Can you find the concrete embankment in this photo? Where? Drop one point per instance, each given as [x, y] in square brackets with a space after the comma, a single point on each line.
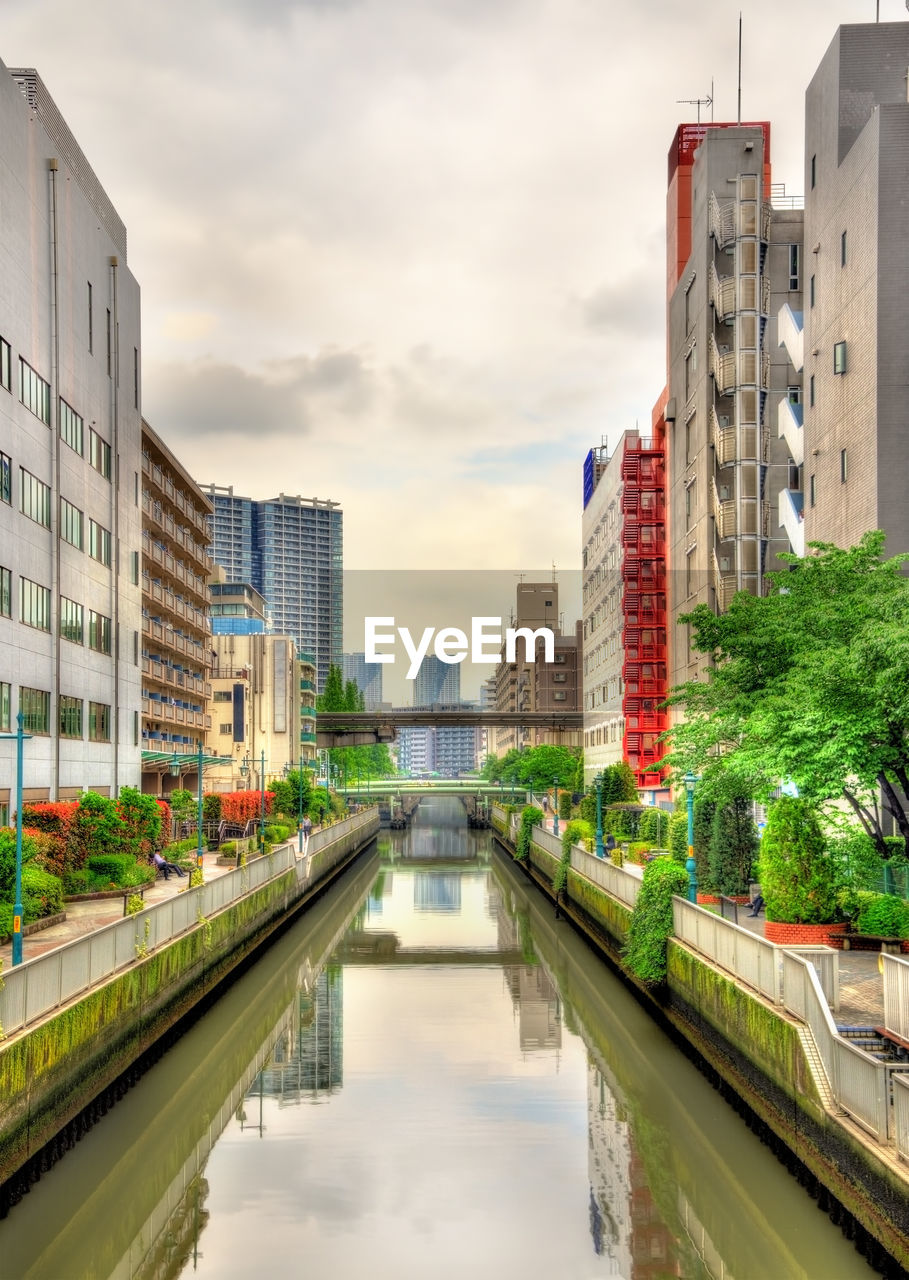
[762, 1061]
[58, 1072]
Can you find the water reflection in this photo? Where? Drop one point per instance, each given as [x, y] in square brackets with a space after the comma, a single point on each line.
[429, 1075]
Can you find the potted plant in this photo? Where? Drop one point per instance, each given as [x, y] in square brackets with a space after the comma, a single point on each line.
[799, 880]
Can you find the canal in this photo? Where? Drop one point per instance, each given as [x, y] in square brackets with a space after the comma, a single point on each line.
[428, 1075]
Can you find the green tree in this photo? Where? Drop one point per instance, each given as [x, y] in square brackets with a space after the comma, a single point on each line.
[651, 921]
[142, 823]
[808, 684]
[798, 880]
[96, 828]
[733, 844]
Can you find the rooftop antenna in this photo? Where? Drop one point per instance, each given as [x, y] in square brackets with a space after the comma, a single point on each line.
[739, 121]
[700, 102]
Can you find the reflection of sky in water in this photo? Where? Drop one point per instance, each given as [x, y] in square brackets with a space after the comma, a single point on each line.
[425, 910]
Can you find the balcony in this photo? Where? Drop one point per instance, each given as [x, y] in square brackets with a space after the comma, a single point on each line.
[721, 220]
[789, 419]
[791, 333]
[792, 518]
[722, 367]
[721, 293]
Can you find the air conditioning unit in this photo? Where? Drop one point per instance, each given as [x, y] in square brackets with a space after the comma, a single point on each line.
[723, 420]
[725, 493]
[725, 564]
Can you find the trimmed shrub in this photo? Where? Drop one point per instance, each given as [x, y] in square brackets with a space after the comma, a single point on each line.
[654, 827]
[896, 845]
[703, 830]
[678, 836]
[651, 920]
[798, 880]
[229, 846]
[42, 893]
[565, 805]
[111, 866]
[733, 845]
[883, 914]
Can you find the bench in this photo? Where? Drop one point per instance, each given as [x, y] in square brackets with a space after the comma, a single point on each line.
[871, 942]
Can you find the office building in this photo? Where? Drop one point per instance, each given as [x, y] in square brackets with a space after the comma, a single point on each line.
[847, 343]
[367, 676]
[437, 682]
[176, 627]
[291, 550]
[70, 463]
[237, 609]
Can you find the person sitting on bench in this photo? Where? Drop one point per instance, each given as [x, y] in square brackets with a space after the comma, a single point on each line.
[757, 906]
[167, 867]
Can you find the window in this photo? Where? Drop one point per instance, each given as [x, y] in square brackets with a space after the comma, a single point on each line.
[795, 252]
[99, 632]
[98, 542]
[811, 391]
[5, 705]
[6, 478]
[794, 394]
[691, 370]
[560, 697]
[34, 604]
[813, 178]
[227, 728]
[839, 357]
[34, 392]
[71, 620]
[71, 426]
[135, 728]
[99, 453]
[71, 524]
[222, 695]
[34, 498]
[843, 249]
[6, 359]
[689, 504]
[134, 567]
[70, 717]
[6, 593]
[811, 292]
[135, 377]
[689, 317]
[35, 707]
[844, 467]
[98, 722]
[812, 490]
[91, 321]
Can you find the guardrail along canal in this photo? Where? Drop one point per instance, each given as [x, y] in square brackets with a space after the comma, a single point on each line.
[427, 1075]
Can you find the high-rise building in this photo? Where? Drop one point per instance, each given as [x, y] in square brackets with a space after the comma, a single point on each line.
[528, 683]
[436, 682]
[847, 345]
[291, 550]
[70, 462]
[367, 676]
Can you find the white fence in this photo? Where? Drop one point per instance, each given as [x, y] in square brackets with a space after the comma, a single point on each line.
[896, 995]
[620, 883]
[36, 987]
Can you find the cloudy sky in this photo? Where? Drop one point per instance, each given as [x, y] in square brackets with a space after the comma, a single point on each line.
[408, 254]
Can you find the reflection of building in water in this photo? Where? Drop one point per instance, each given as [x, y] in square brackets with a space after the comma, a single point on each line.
[436, 891]
[309, 1057]
[539, 1010]
[654, 1249]
[423, 844]
[609, 1169]
[381, 889]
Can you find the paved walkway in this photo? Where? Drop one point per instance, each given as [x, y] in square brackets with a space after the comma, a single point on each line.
[85, 917]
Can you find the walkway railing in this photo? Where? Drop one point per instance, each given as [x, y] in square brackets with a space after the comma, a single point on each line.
[38, 986]
[896, 995]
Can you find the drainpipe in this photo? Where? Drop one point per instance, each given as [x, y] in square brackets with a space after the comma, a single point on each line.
[115, 516]
[56, 576]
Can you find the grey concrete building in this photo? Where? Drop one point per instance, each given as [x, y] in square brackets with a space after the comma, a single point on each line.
[856, 314]
[367, 676]
[730, 255]
[70, 462]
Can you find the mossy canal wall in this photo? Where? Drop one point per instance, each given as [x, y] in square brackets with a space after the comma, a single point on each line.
[53, 1074]
[760, 1059]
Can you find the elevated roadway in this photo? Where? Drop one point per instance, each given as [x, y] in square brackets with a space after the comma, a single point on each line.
[365, 728]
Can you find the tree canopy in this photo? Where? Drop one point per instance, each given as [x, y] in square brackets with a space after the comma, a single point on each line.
[535, 767]
[808, 685]
[351, 762]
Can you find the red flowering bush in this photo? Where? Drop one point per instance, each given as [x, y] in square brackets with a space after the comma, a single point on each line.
[240, 807]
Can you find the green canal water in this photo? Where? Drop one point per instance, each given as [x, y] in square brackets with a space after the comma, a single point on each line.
[427, 1076]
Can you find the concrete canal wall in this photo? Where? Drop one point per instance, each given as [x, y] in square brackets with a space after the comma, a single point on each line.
[764, 1061]
[140, 977]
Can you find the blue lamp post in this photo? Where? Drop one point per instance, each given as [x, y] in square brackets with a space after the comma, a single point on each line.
[690, 781]
[262, 804]
[20, 735]
[300, 807]
[599, 841]
[555, 807]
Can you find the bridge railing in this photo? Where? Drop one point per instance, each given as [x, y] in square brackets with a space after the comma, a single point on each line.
[38, 986]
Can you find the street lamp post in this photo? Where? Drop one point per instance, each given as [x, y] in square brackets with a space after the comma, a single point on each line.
[20, 735]
[599, 844]
[690, 781]
[262, 804]
[300, 807]
[555, 807]
[199, 760]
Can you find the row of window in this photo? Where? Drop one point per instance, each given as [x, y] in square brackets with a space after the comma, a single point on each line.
[35, 705]
[35, 503]
[35, 611]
